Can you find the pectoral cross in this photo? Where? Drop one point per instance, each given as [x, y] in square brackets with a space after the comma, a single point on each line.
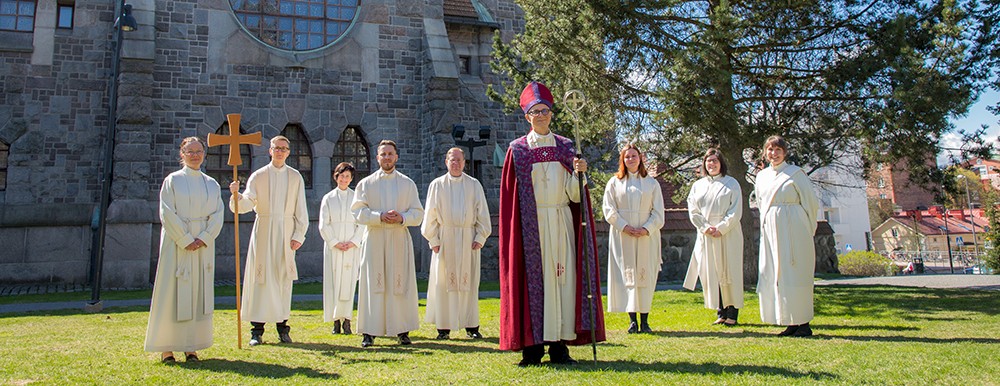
[234, 140]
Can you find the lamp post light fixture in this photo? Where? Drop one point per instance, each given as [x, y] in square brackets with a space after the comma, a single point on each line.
[458, 132]
[123, 22]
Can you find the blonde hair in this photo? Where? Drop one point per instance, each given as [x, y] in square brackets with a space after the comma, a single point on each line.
[280, 138]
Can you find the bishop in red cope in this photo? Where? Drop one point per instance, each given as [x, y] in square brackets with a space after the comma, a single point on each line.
[543, 290]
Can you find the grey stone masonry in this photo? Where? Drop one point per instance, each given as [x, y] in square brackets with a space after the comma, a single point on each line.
[393, 75]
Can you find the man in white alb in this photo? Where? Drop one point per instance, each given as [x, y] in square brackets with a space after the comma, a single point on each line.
[386, 202]
[277, 193]
[456, 225]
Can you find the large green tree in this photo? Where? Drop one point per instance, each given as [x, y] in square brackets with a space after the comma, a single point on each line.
[843, 80]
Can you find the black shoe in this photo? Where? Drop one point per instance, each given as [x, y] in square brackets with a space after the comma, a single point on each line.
[444, 335]
[284, 337]
[256, 340]
[633, 328]
[367, 340]
[168, 360]
[347, 327]
[473, 332]
[559, 354]
[525, 362]
[788, 331]
[645, 329]
[191, 357]
[336, 327]
[404, 338]
[803, 331]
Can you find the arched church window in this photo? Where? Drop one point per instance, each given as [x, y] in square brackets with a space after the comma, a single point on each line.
[352, 147]
[217, 166]
[301, 155]
[296, 25]
[4, 154]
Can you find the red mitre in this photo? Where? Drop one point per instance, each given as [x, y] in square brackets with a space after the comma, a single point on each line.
[533, 94]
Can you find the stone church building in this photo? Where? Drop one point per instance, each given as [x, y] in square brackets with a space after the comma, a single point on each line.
[334, 76]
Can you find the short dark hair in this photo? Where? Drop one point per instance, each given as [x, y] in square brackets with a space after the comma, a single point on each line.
[723, 169]
[343, 167]
[389, 142]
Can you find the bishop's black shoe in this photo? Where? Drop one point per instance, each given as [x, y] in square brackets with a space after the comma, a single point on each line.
[559, 354]
[473, 332]
[532, 355]
[367, 340]
[404, 338]
[347, 327]
[336, 327]
[443, 334]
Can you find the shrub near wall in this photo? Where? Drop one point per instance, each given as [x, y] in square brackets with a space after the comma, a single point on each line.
[863, 263]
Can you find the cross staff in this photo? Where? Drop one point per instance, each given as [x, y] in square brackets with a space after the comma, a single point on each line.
[574, 102]
[234, 140]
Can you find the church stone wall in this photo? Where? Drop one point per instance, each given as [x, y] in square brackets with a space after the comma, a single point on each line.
[186, 67]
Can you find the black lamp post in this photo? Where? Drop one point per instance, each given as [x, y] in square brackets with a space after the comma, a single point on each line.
[124, 22]
[458, 132]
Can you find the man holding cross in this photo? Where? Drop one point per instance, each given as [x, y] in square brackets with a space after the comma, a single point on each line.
[543, 286]
[277, 193]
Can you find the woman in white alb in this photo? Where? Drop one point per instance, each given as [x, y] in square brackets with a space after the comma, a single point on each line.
[715, 206]
[633, 206]
[788, 208]
[180, 312]
[341, 255]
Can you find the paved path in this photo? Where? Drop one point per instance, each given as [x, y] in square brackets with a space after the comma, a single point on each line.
[983, 282]
[223, 300]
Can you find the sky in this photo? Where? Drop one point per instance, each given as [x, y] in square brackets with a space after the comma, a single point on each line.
[978, 115]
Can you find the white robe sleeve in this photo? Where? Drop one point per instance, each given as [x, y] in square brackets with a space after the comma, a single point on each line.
[360, 209]
[172, 223]
[248, 200]
[214, 225]
[734, 212]
[431, 227]
[483, 226]
[656, 217]
[414, 214]
[611, 209]
[573, 186]
[301, 215]
[807, 196]
[694, 211]
[326, 220]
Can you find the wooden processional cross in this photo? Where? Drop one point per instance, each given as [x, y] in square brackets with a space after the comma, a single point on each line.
[234, 140]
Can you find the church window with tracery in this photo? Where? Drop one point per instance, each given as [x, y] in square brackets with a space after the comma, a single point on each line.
[297, 25]
[352, 147]
[301, 153]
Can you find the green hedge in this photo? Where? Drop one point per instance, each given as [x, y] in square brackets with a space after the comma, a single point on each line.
[864, 263]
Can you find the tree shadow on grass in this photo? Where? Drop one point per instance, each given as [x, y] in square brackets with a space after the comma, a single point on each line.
[691, 368]
[818, 335]
[902, 302]
[257, 369]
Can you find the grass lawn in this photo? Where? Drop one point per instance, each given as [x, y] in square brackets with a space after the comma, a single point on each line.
[865, 335]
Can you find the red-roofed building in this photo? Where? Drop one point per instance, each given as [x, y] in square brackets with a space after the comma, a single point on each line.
[929, 230]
